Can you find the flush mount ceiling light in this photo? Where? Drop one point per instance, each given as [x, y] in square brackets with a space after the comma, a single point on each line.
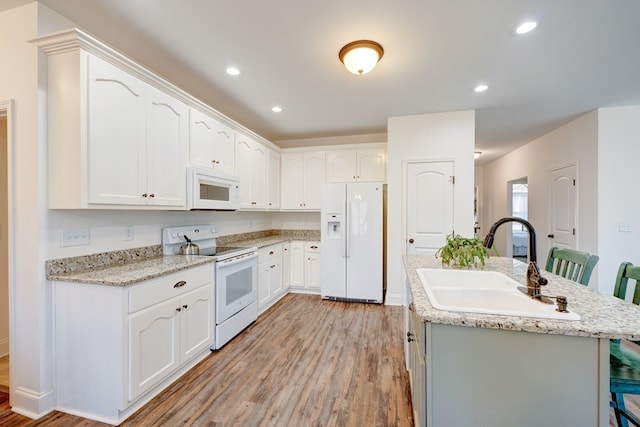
[480, 88]
[233, 71]
[361, 56]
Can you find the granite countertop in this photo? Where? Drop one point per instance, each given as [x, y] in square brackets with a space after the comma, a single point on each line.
[132, 271]
[129, 266]
[601, 316]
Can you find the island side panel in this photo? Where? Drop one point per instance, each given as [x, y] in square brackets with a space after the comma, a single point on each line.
[494, 378]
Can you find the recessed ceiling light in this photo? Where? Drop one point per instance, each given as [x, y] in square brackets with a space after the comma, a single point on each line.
[276, 109]
[480, 88]
[525, 27]
[477, 154]
[233, 71]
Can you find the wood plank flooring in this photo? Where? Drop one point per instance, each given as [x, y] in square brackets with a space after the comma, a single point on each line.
[306, 362]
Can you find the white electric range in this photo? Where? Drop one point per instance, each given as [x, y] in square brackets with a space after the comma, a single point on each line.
[236, 277]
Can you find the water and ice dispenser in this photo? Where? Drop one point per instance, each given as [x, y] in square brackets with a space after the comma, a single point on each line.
[334, 225]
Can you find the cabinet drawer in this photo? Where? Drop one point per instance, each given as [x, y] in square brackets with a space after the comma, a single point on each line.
[312, 247]
[162, 288]
[269, 252]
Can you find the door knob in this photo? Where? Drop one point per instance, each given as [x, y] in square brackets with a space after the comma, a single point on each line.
[411, 240]
[551, 236]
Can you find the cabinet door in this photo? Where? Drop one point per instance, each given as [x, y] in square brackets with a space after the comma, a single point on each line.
[273, 180]
[275, 281]
[201, 139]
[286, 266]
[312, 265]
[371, 165]
[167, 123]
[116, 134]
[291, 181]
[154, 345]
[244, 158]
[297, 264]
[341, 166]
[196, 322]
[223, 148]
[264, 276]
[314, 177]
[258, 176]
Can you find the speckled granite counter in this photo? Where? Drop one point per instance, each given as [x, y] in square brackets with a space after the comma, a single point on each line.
[133, 271]
[602, 316]
[129, 266]
[262, 239]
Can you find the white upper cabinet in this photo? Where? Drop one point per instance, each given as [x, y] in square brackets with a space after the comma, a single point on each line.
[114, 140]
[166, 149]
[136, 140]
[273, 179]
[211, 143]
[302, 176]
[116, 135]
[359, 165]
[251, 162]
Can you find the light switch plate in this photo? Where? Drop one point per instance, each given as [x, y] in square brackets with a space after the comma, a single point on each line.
[74, 237]
[625, 227]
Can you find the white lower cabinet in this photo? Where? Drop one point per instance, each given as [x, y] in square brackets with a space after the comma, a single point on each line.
[116, 347]
[305, 266]
[416, 338]
[270, 285]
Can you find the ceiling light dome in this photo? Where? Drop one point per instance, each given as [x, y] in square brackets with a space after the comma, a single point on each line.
[361, 56]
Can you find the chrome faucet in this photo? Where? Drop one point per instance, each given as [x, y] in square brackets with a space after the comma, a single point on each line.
[534, 279]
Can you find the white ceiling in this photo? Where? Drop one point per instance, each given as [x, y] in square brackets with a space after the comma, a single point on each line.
[585, 54]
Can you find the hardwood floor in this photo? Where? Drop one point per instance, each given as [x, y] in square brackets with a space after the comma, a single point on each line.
[306, 362]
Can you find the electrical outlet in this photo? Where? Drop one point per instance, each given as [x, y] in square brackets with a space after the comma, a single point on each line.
[74, 237]
[128, 232]
[625, 227]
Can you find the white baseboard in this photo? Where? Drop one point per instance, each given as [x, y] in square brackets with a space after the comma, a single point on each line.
[31, 404]
[393, 299]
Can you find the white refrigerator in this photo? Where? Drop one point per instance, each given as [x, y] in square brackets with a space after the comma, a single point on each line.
[351, 234]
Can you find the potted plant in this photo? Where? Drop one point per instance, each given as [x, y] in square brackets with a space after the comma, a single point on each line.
[462, 251]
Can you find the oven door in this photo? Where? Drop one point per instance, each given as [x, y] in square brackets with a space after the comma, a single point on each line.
[236, 285]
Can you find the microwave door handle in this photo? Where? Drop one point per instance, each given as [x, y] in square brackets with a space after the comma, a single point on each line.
[232, 261]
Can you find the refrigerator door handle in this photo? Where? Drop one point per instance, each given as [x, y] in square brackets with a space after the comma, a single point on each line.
[347, 231]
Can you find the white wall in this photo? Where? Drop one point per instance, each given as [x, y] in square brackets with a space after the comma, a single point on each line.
[618, 181]
[575, 142]
[426, 137]
[31, 380]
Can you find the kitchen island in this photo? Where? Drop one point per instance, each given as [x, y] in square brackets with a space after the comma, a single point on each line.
[494, 370]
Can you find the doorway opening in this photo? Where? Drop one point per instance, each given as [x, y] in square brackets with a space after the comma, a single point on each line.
[519, 207]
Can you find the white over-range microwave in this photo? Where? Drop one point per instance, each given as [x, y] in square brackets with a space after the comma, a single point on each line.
[211, 189]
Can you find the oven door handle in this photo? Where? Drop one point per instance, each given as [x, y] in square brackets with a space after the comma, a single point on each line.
[231, 261]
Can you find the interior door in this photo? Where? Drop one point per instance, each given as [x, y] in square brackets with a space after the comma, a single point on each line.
[429, 206]
[562, 207]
